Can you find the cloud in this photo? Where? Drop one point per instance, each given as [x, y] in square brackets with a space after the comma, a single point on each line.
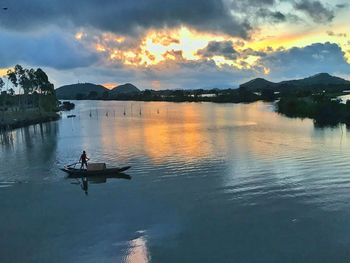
[318, 12]
[305, 61]
[125, 17]
[143, 40]
[188, 75]
[205, 73]
[219, 48]
[276, 16]
[233, 17]
[50, 49]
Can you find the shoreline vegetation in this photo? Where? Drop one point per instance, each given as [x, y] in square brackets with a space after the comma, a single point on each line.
[316, 97]
[35, 103]
[324, 110]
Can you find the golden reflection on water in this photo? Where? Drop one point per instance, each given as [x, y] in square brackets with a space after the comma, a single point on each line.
[137, 252]
[192, 131]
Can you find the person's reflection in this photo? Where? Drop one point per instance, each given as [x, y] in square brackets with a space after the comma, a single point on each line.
[84, 181]
[85, 185]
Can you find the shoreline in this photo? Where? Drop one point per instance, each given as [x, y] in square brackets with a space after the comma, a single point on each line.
[16, 120]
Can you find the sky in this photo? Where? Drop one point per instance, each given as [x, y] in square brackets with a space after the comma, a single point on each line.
[175, 44]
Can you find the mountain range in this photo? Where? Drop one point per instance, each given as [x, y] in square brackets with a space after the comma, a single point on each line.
[89, 90]
[323, 79]
[85, 89]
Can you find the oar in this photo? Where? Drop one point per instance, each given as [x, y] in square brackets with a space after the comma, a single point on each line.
[73, 164]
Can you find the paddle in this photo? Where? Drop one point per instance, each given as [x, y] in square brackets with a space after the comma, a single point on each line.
[73, 164]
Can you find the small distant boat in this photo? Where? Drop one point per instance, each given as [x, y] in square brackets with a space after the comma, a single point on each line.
[71, 116]
[94, 169]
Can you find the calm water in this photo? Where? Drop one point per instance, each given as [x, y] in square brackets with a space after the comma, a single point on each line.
[210, 183]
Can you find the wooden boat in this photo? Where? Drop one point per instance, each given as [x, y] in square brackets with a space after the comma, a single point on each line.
[94, 169]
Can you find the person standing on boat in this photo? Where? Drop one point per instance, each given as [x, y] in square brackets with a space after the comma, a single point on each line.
[83, 159]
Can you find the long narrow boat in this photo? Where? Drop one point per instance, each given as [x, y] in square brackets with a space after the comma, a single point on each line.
[86, 172]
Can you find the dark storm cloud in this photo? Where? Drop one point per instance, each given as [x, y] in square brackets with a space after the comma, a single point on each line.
[233, 17]
[125, 17]
[48, 49]
[318, 12]
[274, 16]
[312, 59]
[219, 48]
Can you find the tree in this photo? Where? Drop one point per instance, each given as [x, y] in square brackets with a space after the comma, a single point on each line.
[2, 96]
[43, 85]
[11, 91]
[105, 95]
[79, 96]
[2, 84]
[268, 95]
[35, 85]
[93, 94]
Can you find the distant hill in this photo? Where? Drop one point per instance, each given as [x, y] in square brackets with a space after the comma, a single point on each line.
[322, 79]
[124, 89]
[257, 84]
[73, 90]
[318, 79]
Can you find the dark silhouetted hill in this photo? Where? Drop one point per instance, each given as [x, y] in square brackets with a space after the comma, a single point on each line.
[81, 89]
[322, 79]
[127, 88]
[257, 84]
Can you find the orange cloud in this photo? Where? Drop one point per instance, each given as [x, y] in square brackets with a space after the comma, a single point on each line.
[162, 47]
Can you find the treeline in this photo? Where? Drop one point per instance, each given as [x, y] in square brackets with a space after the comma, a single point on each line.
[322, 108]
[35, 90]
[240, 95]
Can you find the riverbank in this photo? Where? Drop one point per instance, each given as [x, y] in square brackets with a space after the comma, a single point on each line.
[17, 119]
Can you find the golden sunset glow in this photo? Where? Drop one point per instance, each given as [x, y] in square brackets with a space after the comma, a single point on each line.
[109, 85]
[3, 71]
[161, 46]
[207, 44]
[184, 44]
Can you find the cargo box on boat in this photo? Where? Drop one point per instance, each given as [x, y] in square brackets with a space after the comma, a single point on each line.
[96, 166]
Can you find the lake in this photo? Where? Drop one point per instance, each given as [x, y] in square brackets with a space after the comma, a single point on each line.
[209, 183]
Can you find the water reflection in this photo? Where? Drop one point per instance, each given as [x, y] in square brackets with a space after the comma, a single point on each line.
[6, 138]
[137, 251]
[84, 181]
[29, 150]
[211, 182]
